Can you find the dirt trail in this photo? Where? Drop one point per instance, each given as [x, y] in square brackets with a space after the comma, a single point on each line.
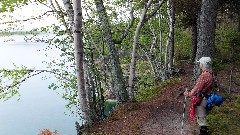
[167, 116]
[159, 116]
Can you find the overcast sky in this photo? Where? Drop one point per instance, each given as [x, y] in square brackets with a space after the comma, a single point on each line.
[29, 11]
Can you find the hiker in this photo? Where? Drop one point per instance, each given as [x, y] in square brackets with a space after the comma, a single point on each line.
[203, 87]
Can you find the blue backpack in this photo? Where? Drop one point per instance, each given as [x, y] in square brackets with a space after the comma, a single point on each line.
[214, 99]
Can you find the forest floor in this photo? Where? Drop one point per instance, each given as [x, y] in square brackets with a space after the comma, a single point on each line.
[161, 115]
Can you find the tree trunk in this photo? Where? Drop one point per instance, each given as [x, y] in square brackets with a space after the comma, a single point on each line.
[132, 71]
[70, 13]
[162, 71]
[118, 80]
[206, 35]
[134, 51]
[91, 96]
[78, 44]
[194, 42]
[239, 22]
[171, 14]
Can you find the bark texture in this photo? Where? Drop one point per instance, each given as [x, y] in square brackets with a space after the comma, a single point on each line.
[207, 28]
[239, 22]
[171, 14]
[78, 44]
[194, 42]
[70, 13]
[144, 17]
[134, 50]
[119, 83]
[206, 35]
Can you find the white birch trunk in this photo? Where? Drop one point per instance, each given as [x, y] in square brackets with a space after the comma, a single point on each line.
[160, 39]
[162, 73]
[134, 51]
[144, 17]
[171, 15]
[78, 44]
[70, 12]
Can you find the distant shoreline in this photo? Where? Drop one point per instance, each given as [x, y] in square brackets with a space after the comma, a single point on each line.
[4, 33]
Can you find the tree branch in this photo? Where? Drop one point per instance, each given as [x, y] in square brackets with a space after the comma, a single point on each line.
[28, 19]
[148, 16]
[126, 31]
[61, 14]
[28, 71]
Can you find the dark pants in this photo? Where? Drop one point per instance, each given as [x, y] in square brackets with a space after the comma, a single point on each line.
[203, 130]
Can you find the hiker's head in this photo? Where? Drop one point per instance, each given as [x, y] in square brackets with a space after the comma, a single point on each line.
[205, 62]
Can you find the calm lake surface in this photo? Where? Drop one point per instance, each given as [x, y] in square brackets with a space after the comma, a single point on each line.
[39, 107]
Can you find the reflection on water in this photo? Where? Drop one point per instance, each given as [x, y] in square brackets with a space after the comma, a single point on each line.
[39, 107]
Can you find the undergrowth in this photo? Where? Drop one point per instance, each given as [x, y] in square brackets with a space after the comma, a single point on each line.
[225, 119]
[153, 91]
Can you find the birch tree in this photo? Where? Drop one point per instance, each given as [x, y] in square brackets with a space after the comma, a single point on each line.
[144, 18]
[170, 42]
[118, 81]
[79, 57]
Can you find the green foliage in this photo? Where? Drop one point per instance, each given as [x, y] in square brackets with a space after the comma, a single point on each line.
[10, 81]
[233, 38]
[225, 119]
[226, 48]
[186, 11]
[144, 75]
[147, 93]
[144, 82]
[183, 44]
[10, 5]
[231, 6]
[218, 65]
[153, 91]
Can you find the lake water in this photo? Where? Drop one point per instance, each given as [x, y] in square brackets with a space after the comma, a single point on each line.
[39, 107]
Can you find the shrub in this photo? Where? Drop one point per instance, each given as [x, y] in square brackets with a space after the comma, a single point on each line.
[150, 92]
[225, 119]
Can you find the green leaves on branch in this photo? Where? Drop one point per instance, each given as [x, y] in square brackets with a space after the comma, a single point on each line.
[9, 5]
[10, 81]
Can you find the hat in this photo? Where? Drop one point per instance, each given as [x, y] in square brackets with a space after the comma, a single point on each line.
[205, 61]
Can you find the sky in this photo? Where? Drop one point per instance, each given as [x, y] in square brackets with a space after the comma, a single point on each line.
[29, 11]
[33, 9]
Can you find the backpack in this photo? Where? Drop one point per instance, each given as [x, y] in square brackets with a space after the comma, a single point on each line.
[214, 99]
